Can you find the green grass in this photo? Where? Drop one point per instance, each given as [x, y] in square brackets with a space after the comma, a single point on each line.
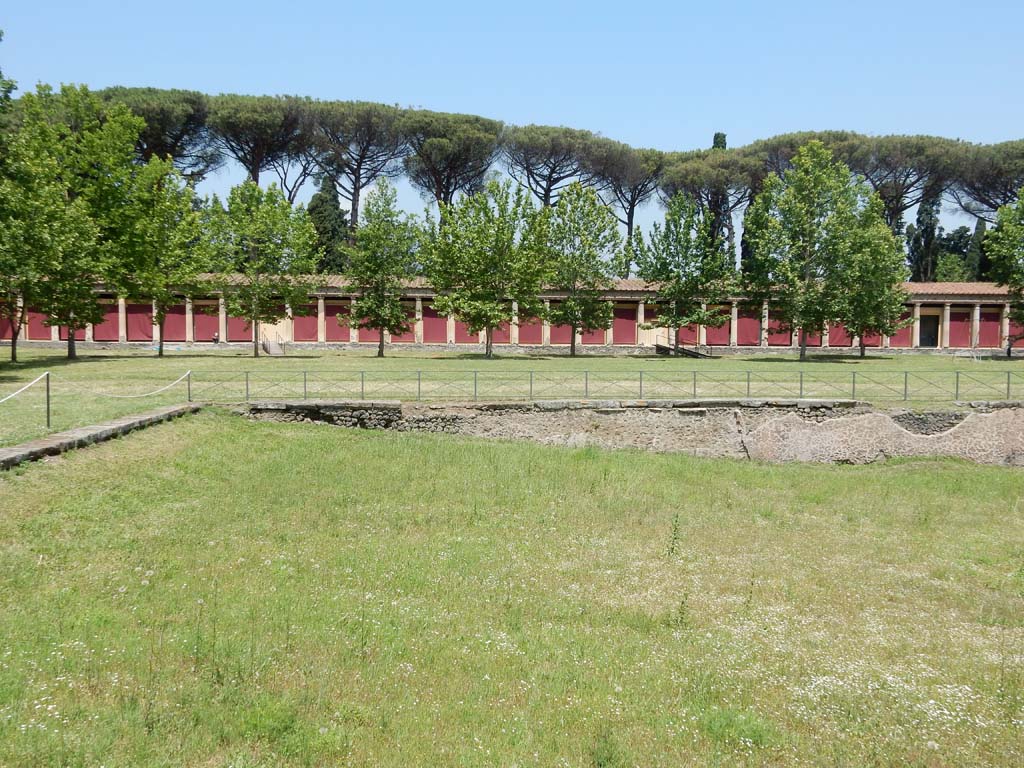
[80, 390]
[221, 592]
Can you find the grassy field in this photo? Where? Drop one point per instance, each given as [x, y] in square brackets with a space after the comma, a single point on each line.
[220, 592]
[82, 391]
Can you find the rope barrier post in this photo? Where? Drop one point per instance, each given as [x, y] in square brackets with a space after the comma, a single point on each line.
[419, 384]
[188, 385]
[1007, 385]
[474, 385]
[695, 383]
[748, 385]
[305, 385]
[956, 386]
[247, 386]
[641, 385]
[853, 386]
[801, 385]
[531, 385]
[586, 384]
[47, 399]
[362, 385]
[906, 384]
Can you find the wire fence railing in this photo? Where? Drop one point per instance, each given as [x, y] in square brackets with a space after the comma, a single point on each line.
[51, 399]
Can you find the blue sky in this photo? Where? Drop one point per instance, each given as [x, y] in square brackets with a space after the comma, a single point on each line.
[660, 74]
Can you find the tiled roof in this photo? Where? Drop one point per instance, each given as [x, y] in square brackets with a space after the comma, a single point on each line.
[955, 289]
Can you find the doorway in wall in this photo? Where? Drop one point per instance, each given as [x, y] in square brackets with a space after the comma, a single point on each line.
[929, 330]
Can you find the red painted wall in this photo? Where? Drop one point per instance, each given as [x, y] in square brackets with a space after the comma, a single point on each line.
[1016, 330]
[531, 332]
[687, 334]
[238, 329]
[79, 334]
[409, 336]
[959, 328]
[435, 326]
[719, 337]
[904, 337]
[838, 336]
[367, 335]
[37, 328]
[304, 326]
[560, 334]
[463, 336]
[776, 336]
[174, 324]
[107, 330]
[813, 339]
[593, 337]
[502, 334]
[333, 330]
[872, 340]
[205, 327]
[6, 329]
[138, 320]
[624, 325]
[748, 327]
[989, 331]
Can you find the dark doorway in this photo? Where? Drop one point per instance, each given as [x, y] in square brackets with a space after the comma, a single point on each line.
[929, 330]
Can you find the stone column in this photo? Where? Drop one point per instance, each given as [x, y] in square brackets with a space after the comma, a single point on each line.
[418, 326]
[222, 321]
[545, 327]
[764, 323]
[450, 323]
[321, 320]
[513, 327]
[734, 321]
[915, 339]
[190, 335]
[353, 333]
[824, 337]
[975, 325]
[1004, 326]
[944, 341]
[54, 333]
[289, 335]
[122, 320]
[702, 334]
[88, 332]
[642, 335]
[609, 332]
[156, 326]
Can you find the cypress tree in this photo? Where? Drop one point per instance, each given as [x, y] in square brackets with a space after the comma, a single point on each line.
[331, 225]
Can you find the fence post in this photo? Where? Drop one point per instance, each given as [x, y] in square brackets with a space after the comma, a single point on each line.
[188, 385]
[956, 387]
[47, 399]
[748, 385]
[474, 385]
[801, 385]
[305, 386]
[853, 387]
[906, 384]
[419, 383]
[695, 383]
[362, 385]
[247, 386]
[586, 384]
[1007, 385]
[531, 385]
[642, 385]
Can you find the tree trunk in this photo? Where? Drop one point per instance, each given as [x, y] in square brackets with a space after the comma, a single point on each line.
[675, 340]
[354, 211]
[254, 174]
[255, 339]
[488, 342]
[15, 332]
[863, 346]
[72, 351]
[803, 345]
[572, 341]
[160, 344]
[380, 344]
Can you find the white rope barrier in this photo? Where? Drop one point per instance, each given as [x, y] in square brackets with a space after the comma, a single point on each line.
[15, 394]
[127, 397]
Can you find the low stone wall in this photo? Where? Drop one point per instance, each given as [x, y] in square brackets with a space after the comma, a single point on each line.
[837, 431]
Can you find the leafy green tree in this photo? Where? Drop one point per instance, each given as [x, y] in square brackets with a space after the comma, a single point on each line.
[175, 127]
[977, 259]
[628, 178]
[1005, 246]
[449, 153]
[688, 264]
[384, 258]
[584, 238]
[331, 225]
[873, 267]
[359, 142]
[166, 244]
[802, 229]
[989, 177]
[94, 151]
[923, 243]
[257, 131]
[950, 268]
[263, 252]
[490, 252]
[42, 233]
[546, 159]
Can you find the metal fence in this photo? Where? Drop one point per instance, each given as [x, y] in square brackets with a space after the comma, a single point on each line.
[468, 385]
